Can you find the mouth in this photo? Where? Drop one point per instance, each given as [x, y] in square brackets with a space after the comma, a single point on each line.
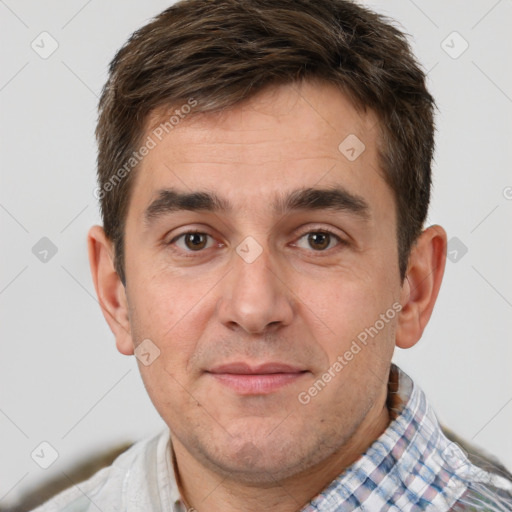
[263, 379]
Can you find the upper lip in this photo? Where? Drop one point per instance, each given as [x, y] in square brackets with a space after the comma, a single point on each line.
[241, 368]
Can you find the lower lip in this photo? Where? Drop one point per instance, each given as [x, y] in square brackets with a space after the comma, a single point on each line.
[261, 384]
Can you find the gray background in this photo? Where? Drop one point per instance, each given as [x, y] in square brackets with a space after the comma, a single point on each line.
[62, 379]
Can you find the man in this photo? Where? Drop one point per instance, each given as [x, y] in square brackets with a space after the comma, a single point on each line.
[264, 177]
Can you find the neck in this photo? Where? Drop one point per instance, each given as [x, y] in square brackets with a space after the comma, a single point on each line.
[203, 489]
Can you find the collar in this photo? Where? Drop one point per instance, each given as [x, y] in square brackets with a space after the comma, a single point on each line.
[411, 466]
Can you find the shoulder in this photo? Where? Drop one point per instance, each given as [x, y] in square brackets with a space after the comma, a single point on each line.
[106, 489]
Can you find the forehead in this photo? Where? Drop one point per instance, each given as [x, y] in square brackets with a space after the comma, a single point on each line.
[285, 137]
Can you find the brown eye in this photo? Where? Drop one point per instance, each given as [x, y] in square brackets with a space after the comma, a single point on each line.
[319, 241]
[192, 241]
[195, 241]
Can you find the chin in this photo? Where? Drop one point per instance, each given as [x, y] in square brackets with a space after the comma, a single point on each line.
[262, 460]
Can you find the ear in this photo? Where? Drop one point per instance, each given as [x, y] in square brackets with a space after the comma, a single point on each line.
[109, 288]
[421, 285]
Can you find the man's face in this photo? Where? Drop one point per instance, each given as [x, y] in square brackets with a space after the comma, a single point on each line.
[253, 310]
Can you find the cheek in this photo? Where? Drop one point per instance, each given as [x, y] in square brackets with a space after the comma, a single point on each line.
[350, 308]
[172, 312]
[165, 299]
[343, 303]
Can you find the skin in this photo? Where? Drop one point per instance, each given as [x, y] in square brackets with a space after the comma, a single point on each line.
[298, 302]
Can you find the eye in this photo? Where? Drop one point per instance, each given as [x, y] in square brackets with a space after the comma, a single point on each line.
[192, 241]
[319, 240]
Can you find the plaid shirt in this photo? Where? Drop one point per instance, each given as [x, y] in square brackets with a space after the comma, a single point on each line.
[411, 467]
[414, 467]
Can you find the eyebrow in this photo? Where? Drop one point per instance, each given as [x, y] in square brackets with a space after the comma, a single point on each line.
[333, 198]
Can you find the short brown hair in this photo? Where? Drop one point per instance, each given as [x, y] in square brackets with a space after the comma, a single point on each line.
[222, 52]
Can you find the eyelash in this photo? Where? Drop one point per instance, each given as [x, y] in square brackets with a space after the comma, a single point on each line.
[188, 253]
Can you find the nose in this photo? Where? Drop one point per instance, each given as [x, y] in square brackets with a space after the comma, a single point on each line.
[254, 296]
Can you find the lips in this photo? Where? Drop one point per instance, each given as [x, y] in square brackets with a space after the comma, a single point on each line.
[262, 379]
[261, 369]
